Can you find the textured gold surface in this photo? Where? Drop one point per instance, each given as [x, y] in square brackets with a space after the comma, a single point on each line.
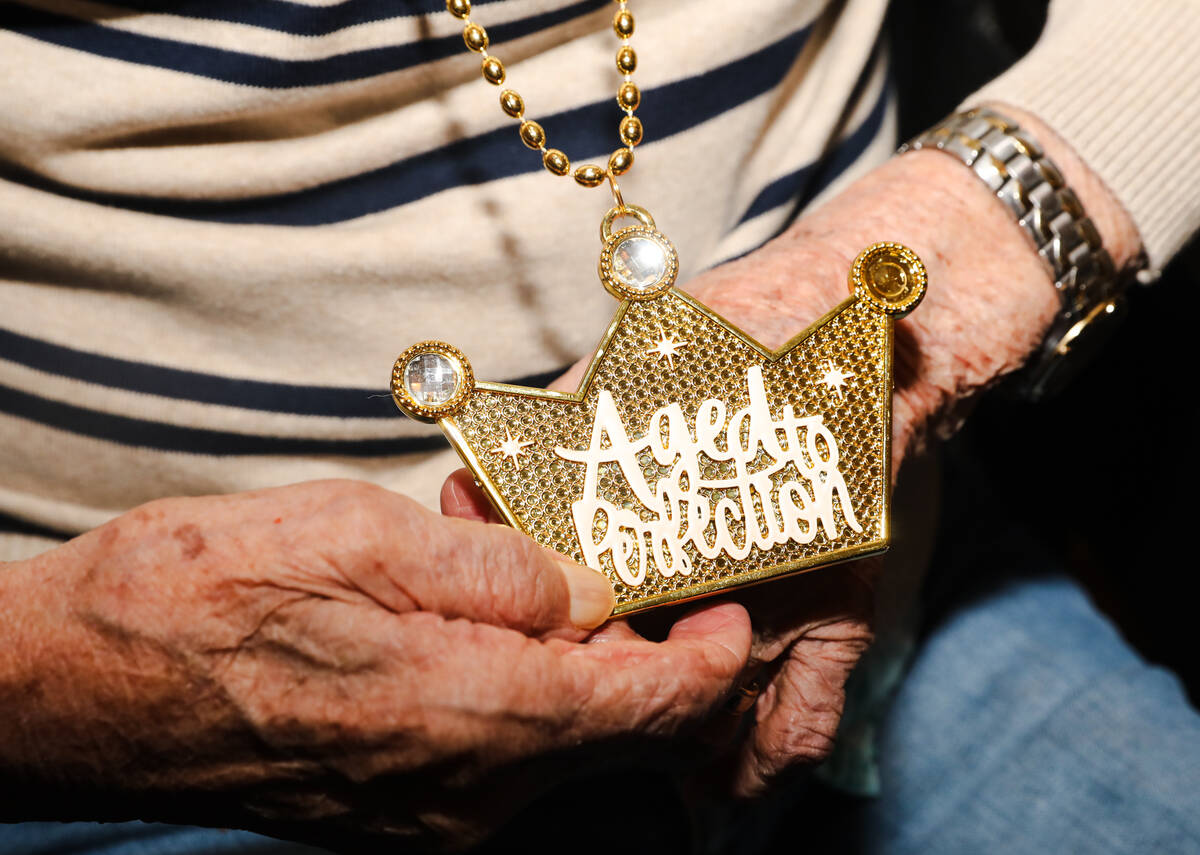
[536, 491]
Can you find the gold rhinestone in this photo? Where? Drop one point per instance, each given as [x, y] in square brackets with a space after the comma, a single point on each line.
[476, 37]
[629, 96]
[532, 135]
[493, 70]
[626, 60]
[620, 161]
[459, 8]
[890, 276]
[589, 175]
[512, 103]
[557, 162]
[631, 130]
[623, 24]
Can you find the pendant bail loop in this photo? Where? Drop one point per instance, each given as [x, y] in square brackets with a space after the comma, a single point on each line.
[616, 190]
[617, 212]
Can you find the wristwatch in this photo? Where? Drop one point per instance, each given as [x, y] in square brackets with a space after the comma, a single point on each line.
[1013, 166]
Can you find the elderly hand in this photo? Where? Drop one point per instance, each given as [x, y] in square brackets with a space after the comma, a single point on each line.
[989, 304]
[326, 661]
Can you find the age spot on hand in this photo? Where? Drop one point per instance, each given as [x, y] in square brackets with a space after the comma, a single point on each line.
[191, 541]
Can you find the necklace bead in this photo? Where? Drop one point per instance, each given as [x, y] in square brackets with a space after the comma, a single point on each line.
[512, 103]
[623, 24]
[459, 8]
[620, 161]
[493, 70]
[556, 162]
[475, 37]
[626, 60]
[589, 175]
[629, 96]
[631, 130]
[532, 134]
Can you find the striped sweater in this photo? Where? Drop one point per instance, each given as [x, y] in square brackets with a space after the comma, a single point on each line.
[220, 221]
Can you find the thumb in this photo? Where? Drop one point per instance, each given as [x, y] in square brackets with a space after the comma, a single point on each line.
[495, 574]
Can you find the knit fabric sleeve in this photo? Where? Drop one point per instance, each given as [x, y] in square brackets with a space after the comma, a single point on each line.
[1120, 82]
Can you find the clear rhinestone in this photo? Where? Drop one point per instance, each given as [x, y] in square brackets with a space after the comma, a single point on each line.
[432, 378]
[639, 262]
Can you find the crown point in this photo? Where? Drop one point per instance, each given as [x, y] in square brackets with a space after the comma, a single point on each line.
[431, 380]
[890, 277]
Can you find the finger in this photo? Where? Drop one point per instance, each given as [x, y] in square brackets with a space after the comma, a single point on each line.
[726, 624]
[492, 574]
[615, 630]
[657, 688]
[797, 716]
[461, 497]
[569, 381]
[501, 695]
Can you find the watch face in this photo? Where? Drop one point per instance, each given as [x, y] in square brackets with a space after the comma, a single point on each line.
[1067, 351]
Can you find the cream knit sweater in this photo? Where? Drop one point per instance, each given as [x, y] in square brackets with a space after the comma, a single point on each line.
[217, 232]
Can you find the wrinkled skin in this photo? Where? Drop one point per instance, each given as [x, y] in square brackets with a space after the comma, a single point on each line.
[989, 304]
[328, 661]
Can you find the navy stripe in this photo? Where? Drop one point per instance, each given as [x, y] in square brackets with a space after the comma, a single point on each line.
[296, 19]
[667, 110]
[183, 385]
[141, 433]
[12, 525]
[251, 69]
[806, 183]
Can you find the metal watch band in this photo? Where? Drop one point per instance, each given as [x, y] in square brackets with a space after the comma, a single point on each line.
[1016, 170]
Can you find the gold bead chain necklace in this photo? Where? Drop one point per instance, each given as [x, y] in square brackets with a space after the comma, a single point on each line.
[532, 134]
[637, 262]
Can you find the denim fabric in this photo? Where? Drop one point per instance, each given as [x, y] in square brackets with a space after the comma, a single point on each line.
[137, 838]
[1027, 724]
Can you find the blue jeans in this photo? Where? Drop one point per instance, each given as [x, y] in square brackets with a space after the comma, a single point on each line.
[137, 838]
[1025, 725]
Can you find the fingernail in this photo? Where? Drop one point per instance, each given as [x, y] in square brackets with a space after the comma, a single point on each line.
[591, 594]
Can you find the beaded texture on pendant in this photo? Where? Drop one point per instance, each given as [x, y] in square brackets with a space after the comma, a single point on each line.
[629, 98]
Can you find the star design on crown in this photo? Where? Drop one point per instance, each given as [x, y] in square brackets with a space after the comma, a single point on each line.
[835, 378]
[667, 348]
[511, 448]
[678, 478]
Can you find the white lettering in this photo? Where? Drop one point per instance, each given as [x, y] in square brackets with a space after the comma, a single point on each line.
[728, 516]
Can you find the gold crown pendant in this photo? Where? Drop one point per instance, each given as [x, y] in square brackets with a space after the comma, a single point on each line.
[691, 459]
